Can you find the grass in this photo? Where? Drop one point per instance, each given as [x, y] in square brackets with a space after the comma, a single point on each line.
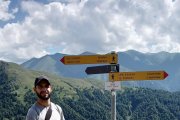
[24, 79]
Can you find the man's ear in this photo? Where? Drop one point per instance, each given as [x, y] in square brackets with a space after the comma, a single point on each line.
[34, 89]
[51, 88]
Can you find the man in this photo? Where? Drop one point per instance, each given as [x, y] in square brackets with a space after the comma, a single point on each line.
[44, 109]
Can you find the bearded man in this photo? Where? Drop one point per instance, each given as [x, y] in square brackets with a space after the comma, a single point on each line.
[43, 108]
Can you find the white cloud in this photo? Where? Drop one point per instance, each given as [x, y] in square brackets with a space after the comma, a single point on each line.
[91, 25]
[5, 15]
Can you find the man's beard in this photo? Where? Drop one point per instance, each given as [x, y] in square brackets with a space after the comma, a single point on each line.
[43, 97]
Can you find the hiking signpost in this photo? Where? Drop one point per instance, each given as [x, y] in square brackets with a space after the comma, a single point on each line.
[102, 69]
[113, 70]
[141, 75]
[89, 59]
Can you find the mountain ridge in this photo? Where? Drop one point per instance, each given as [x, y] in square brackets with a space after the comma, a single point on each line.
[130, 60]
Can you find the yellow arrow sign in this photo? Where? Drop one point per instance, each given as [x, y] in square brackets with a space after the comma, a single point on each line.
[90, 59]
[142, 75]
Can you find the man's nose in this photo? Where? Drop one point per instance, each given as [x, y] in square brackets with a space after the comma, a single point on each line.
[44, 89]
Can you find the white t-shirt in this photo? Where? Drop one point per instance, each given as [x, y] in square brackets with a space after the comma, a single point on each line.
[37, 112]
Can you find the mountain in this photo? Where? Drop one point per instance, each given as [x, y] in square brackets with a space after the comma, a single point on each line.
[130, 60]
[82, 99]
[169, 62]
[52, 64]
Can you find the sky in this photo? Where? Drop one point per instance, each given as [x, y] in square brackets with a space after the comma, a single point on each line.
[34, 28]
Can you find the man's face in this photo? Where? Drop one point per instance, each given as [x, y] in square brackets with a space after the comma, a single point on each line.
[43, 90]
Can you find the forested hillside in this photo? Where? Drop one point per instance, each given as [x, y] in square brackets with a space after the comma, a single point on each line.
[80, 102]
[131, 104]
[96, 104]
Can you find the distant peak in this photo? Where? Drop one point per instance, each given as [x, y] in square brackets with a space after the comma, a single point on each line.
[133, 52]
[164, 52]
[87, 53]
[58, 54]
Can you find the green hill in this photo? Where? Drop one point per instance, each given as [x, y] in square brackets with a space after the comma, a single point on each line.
[83, 99]
[24, 79]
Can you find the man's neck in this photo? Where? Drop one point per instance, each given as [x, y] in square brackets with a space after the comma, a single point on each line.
[44, 103]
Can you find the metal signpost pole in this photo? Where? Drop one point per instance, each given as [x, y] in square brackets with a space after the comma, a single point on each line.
[113, 105]
[113, 93]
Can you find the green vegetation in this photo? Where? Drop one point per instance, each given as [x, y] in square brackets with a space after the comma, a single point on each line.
[82, 99]
[132, 104]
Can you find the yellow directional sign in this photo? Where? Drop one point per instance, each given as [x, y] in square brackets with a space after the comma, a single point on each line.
[90, 59]
[142, 75]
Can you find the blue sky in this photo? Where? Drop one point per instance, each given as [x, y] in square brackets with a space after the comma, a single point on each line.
[34, 28]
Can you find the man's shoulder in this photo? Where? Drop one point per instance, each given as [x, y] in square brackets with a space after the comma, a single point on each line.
[32, 113]
[35, 109]
[32, 108]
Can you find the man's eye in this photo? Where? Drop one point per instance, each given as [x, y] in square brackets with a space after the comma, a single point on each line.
[43, 86]
[39, 87]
